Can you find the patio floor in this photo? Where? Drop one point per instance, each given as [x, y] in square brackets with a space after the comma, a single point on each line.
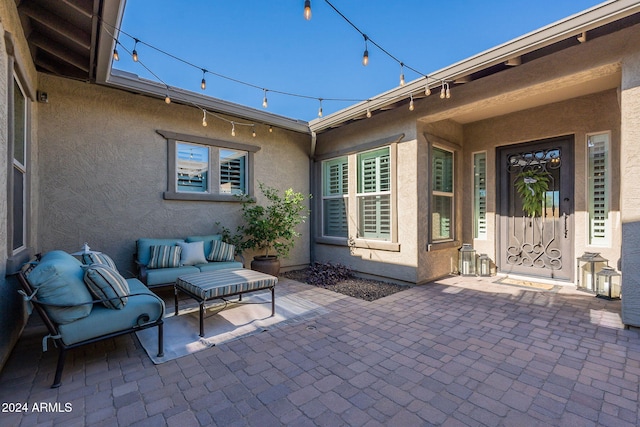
[458, 352]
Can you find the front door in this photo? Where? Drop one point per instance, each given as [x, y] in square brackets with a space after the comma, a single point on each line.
[535, 208]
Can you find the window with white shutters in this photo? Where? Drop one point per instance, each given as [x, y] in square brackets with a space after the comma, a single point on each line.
[233, 171]
[19, 173]
[335, 197]
[599, 176]
[441, 194]
[374, 194]
[480, 195]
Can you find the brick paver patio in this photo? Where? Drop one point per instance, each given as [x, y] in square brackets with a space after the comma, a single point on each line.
[459, 352]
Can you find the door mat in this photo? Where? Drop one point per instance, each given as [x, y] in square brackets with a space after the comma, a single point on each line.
[225, 323]
[527, 284]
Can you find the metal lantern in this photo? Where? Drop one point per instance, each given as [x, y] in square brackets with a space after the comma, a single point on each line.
[467, 260]
[608, 283]
[589, 264]
[484, 265]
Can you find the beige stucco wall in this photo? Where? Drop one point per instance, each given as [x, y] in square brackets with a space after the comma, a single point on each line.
[104, 170]
[391, 264]
[594, 113]
[12, 41]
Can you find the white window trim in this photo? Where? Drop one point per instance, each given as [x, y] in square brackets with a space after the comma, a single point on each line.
[172, 192]
[606, 241]
[480, 236]
[343, 196]
[22, 167]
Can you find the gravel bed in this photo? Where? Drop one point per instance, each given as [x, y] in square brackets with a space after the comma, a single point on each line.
[368, 290]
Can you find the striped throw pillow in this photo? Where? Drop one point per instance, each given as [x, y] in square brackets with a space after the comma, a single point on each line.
[164, 256]
[221, 251]
[98, 258]
[107, 284]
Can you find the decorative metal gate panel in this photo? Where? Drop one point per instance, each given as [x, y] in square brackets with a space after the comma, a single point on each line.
[536, 209]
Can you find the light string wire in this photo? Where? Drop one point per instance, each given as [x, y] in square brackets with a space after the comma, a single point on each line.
[205, 70]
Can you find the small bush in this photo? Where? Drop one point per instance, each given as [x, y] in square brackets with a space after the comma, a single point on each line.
[327, 274]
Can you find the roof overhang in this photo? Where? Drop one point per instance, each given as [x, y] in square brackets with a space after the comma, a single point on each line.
[508, 53]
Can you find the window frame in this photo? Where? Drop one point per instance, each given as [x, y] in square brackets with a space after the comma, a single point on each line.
[477, 233]
[606, 240]
[434, 142]
[344, 162]
[352, 240]
[361, 192]
[214, 145]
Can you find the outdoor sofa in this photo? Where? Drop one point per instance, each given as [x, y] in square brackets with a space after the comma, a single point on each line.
[161, 261]
[86, 303]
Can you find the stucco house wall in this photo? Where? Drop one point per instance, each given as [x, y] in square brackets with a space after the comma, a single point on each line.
[104, 170]
[14, 53]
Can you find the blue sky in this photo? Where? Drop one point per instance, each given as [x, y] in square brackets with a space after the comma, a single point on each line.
[269, 44]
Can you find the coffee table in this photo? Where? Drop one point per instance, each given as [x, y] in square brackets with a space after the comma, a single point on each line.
[219, 284]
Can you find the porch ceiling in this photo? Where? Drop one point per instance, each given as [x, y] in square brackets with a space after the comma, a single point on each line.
[61, 35]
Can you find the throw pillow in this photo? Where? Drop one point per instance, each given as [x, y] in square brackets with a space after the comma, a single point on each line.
[192, 253]
[221, 251]
[98, 258]
[164, 256]
[107, 284]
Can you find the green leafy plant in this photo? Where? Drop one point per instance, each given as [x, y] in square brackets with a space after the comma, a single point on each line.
[532, 186]
[270, 227]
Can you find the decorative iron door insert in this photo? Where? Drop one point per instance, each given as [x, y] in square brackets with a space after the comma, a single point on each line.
[536, 183]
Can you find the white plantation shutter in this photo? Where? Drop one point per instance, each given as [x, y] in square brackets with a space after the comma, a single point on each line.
[480, 195]
[441, 194]
[334, 204]
[598, 146]
[374, 194]
[232, 172]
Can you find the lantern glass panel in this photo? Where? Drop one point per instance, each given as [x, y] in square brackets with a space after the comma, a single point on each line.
[589, 264]
[467, 260]
[608, 283]
[484, 265]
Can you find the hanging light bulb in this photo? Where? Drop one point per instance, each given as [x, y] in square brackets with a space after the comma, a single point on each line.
[307, 10]
[265, 104]
[320, 108]
[253, 132]
[411, 106]
[365, 55]
[204, 118]
[116, 57]
[167, 98]
[270, 129]
[442, 92]
[203, 83]
[368, 113]
[401, 74]
[448, 92]
[134, 54]
[427, 89]
[233, 129]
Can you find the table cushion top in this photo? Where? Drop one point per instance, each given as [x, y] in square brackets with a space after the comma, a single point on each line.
[212, 284]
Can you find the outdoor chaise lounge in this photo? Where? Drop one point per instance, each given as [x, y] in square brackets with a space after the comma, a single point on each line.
[57, 284]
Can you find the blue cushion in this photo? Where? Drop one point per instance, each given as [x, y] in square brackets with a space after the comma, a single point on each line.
[107, 284]
[211, 266]
[206, 239]
[143, 247]
[58, 278]
[192, 253]
[98, 258]
[163, 276]
[221, 251]
[104, 321]
[164, 257]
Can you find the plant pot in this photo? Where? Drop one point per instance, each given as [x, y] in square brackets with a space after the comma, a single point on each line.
[268, 264]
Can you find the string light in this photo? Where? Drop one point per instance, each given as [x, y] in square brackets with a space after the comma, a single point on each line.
[307, 10]
[365, 55]
[134, 54]
[265, 104]
[203, 83]
[270, 129]
[448, 91]
[233, 129]
[401, 74]
[167, 98]
[320, 108]
[442, 91]
[427, 89]
[116, 57]
[411, 106]
[253, 131]
[368, 113]
[204, 118]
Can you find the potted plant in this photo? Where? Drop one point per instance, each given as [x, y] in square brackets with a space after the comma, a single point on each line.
[269, 228]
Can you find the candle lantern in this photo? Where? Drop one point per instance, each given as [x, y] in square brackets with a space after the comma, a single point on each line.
[608, 283]
[589, 264]
[467, 260]
[484, 265]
